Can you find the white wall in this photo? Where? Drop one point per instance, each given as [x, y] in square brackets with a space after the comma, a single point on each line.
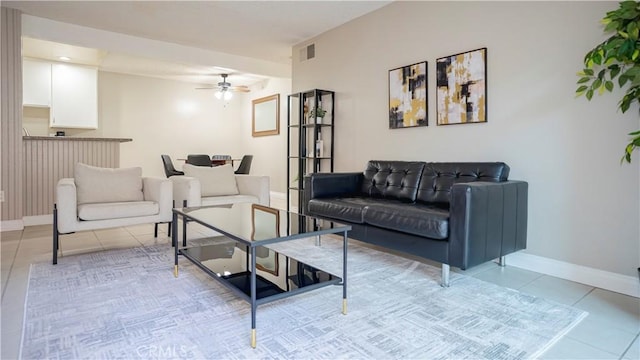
[584, 207]
[166, 117]
[171, 117]
[269, 152]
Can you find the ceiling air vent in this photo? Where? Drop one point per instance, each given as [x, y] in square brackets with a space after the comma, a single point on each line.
[308, 52]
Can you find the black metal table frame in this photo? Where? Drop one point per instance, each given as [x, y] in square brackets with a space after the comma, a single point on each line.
[252, 245]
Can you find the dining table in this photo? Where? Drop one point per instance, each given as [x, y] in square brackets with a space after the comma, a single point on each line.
[218, 162]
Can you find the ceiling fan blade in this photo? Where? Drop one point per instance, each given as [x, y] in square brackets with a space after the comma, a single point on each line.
[206, 88]
[240, 88]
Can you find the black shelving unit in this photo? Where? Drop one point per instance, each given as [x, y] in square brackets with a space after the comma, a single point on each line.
[310, 140]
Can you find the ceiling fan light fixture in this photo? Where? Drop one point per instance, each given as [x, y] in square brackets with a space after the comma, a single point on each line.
[218, 94]
[228, 95]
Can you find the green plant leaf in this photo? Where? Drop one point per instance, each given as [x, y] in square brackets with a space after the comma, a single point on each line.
[614, 71]
[634, 133]
[622, 50]
[628, 4]
[627, 152]
[588, 72]
[632, 29]
[597, 58]
[596, 84]
[622, 80]
[624, 105]
[629, 14]
[634, 83]
[609, 85]
[582, 88]
[610, 25]
[583, 80]
[589, 94]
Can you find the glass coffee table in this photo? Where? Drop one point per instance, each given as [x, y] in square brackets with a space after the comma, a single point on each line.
[239, 259]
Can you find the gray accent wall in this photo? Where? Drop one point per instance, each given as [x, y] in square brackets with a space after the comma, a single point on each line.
[11, 114]
[584, 206]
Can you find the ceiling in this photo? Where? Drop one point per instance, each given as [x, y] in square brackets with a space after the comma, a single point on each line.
[264, 30]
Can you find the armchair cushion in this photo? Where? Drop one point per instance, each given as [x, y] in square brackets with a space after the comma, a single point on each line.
[214, 181]
[117, 210]
[101, 185]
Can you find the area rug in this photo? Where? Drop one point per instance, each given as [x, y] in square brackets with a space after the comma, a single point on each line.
[126, 304]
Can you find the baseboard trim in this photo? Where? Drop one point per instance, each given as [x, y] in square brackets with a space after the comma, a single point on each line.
[11, 225]
[628, 285]
[38, 220]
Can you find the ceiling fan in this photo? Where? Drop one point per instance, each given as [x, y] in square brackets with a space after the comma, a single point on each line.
[224, 89]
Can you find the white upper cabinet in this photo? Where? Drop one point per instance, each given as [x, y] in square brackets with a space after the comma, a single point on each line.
[36, 83]
[74, 96]
[70, 91]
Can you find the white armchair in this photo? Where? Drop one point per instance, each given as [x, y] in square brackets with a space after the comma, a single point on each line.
[100, 198]
[203, 186]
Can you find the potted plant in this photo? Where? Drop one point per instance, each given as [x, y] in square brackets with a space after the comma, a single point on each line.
[618, 56]
[318, 114]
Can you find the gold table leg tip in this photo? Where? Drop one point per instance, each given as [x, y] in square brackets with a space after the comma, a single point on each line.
[344, 306]
[253, 338]
[175, 271]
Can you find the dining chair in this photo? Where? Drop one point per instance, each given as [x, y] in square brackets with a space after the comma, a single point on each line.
[199, 160]
[169, 170]
[245, 165]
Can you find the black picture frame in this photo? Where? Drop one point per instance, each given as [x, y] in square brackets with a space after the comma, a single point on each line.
[408, 87]
[461, 88]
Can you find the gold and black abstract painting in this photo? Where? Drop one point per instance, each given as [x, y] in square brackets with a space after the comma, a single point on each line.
[461, 82]
[408, 96]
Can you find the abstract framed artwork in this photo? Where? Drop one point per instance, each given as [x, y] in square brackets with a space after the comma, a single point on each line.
[408, 96]
[461, 82]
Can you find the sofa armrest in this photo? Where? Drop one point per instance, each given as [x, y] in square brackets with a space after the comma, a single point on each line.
[255, 185]
[487, 220]
[319, 185]
[67, 205]
[159, 190]
[186, 188]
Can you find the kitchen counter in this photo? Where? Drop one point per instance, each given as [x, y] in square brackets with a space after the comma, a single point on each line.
[75, 138]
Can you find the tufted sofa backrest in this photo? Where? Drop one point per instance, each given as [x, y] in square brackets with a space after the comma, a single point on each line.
[438, 178]
[392, 179]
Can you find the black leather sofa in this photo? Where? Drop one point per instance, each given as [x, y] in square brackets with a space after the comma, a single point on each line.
[458, 214]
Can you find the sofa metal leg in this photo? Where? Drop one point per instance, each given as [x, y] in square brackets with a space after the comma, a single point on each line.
[55, 234]
[169, 228]
[445, 275]
[502, 261]
[155, 230]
